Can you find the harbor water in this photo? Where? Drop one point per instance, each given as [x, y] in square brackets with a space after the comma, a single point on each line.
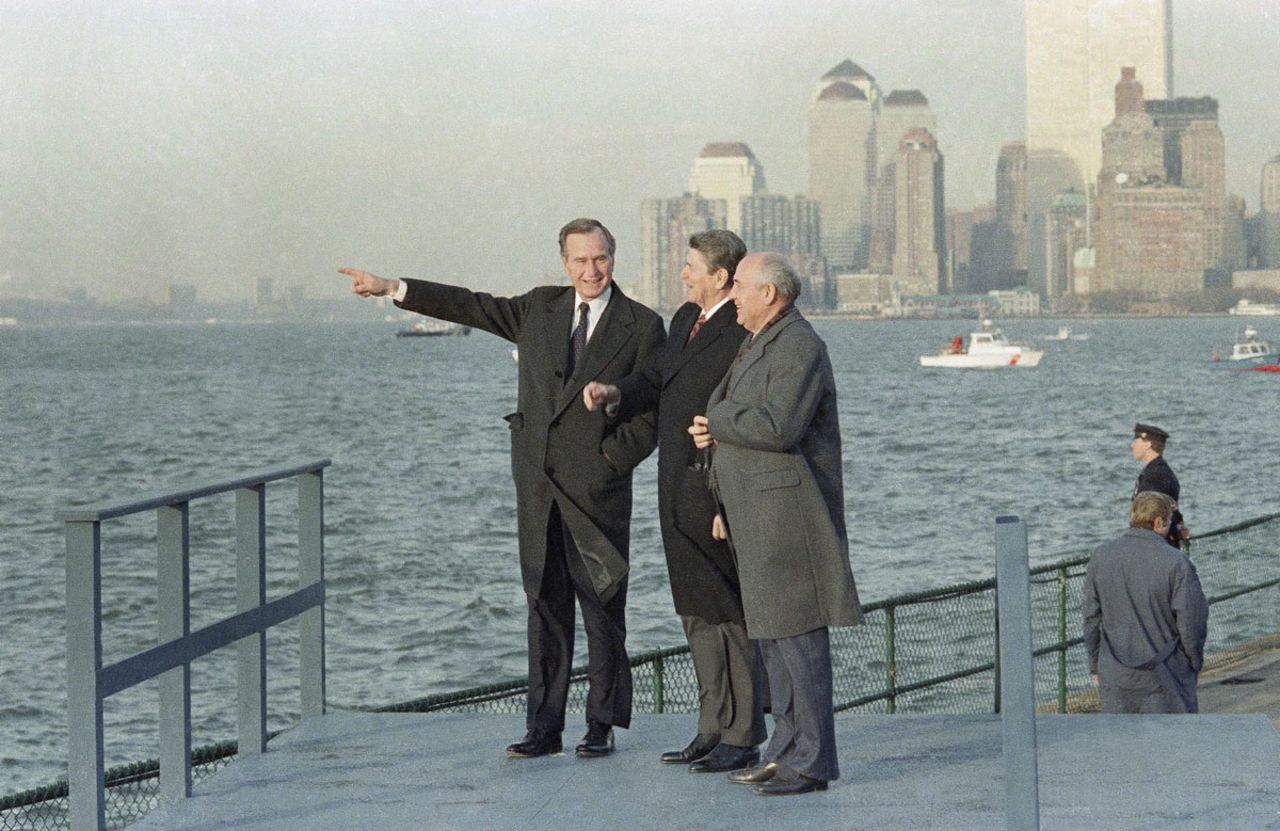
[424, 593]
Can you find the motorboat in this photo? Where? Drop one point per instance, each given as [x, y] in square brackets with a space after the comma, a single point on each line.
[985, 349]
[434, 329]
[1065, 333]
[1249, 308]
[1252, 349]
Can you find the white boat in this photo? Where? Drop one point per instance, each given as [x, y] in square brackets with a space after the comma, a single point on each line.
[1065, 333]
[434, 329]
[1252, 349]
[1245, 307]
[987, 349]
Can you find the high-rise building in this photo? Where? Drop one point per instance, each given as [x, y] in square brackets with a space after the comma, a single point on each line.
[1203, 167]
[790, 226]
[900, 111]
[1235, 247]
[1074, 52]
[919, 233]
[727, 170]
[970, 241]
[665, 228]
[1269, 215]
[1069, 260]
[1172, 117]
[1011, 215]
[842, 161]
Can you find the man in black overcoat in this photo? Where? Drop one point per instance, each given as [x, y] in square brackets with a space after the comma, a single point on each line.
[703, 341]
[572, 469]
[1148, 447]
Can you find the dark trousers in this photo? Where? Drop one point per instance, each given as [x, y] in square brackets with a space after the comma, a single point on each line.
[726, 664]
[804, 728]
[551, 631]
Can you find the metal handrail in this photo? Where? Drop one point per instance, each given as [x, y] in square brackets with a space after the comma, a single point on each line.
[89, 682]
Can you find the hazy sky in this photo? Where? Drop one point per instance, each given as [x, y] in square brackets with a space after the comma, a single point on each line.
[217, 142]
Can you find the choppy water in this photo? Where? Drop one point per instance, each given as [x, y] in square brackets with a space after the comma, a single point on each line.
[424, 592]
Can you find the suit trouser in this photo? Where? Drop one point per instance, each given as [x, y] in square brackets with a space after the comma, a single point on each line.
[551, 632]
[1121, 700]
[804, 728]
[727, 667]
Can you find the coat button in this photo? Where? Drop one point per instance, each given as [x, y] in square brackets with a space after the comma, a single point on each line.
[550, 471]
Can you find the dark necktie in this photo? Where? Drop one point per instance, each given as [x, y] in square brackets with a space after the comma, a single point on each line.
[578, 343]
[697, 324]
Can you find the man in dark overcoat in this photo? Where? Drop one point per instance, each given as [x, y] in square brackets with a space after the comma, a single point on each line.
[1148, 447]
[778, 473]
[1144, 616]
[703, 340]
[572, 469]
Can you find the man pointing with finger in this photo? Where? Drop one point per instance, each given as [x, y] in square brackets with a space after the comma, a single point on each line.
[572, 469]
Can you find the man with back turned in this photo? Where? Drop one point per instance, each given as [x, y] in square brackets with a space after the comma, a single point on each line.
[776, 468]
[705, 337]
[572, 469]
[1145, 616]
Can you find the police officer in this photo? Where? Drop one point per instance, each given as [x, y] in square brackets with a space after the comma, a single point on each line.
[1148, 447]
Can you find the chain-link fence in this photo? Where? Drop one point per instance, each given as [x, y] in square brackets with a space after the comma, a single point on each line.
[928, 652]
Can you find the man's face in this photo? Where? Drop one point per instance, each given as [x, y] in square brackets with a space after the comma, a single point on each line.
[1139, 447]
[588, 263]
[754, 303]
[701, 285]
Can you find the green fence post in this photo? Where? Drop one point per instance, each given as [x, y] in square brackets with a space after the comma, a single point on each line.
[657, 683]
[891, 658]
[1062, 640]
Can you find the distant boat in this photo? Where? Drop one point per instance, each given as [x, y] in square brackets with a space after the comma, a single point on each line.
[434, 329]
[987, 349]
[1252, 350]
[1065, 333]
[1246, 307]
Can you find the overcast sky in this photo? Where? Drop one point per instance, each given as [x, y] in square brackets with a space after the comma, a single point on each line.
[216, 142]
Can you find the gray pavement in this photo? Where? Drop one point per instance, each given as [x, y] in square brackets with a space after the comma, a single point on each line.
[413, 771]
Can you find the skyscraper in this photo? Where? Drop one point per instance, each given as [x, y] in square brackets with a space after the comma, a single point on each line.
[1203, 166]
[1269, 214]
[727, 170]
[1011, 215]
[1074, 52]
[1172, 117]
[900, 111]
[665, 228]
[790, 226]
[842, 161]
[920, 232]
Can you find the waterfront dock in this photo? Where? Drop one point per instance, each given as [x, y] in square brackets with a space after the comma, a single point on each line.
[443, 772]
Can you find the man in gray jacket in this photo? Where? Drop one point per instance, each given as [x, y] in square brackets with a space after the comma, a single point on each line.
[776, 470]
[1145, 616]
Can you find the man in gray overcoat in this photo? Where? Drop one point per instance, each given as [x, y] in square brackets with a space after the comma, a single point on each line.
[1145, 616]
[777, 472]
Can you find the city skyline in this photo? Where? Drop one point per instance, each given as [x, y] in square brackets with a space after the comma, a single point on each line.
[150, 144]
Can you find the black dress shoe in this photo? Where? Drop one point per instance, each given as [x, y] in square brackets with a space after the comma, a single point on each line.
[597, 742]
[726, 757]
[790, 785]
[536, 742]
[702, 744]
[755, 775]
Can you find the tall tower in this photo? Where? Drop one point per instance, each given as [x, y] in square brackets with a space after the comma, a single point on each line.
[1203, 163]
[919, 236]
[665, 228]
[842, 161]
[1074, 52]
[1270, 214]
[1011, 213]
[900, 111]
[727, 170]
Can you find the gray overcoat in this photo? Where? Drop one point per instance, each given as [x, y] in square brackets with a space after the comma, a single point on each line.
[582, 461]
[777, 472]
[1145, 618]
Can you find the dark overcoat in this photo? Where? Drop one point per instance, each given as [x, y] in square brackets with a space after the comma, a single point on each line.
[560, 452]
[778, 472]
[1157, 476]
[1145, 617]
[704, 579]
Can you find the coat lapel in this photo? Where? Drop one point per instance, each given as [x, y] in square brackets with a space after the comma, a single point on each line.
[560, 313]
[761, 342]
[714, 329]
[610, 335]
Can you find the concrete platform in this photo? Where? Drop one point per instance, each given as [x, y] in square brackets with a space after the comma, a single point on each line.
[402, 771]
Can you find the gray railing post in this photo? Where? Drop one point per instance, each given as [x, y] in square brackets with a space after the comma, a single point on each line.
[251, 592]
[85, 770]
[1017, 676]
[311, 570]
[173, 604]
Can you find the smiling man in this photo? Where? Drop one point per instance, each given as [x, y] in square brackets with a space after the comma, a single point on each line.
[704, 579]
[776, 469]
[572, 469]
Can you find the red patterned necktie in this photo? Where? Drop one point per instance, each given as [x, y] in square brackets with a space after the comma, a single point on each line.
[697, 324]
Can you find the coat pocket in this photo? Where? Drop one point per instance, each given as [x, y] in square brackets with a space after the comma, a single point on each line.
[770, 479]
